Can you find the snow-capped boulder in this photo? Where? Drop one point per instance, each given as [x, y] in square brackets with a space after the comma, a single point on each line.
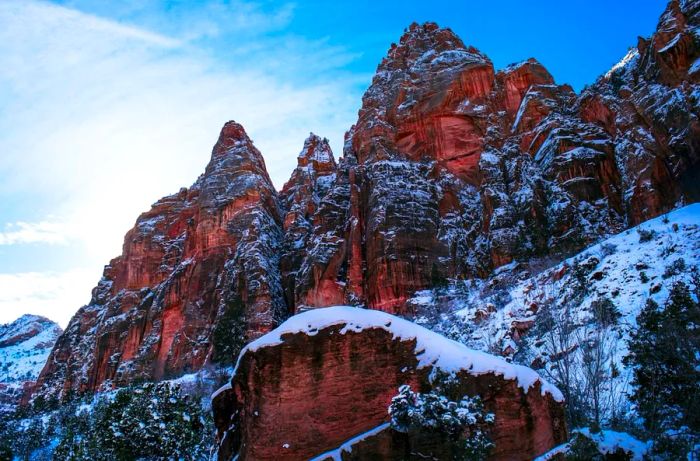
[327, 376]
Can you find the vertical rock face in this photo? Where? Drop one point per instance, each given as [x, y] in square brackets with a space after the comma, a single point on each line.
[327, 376]
[301, 196]
[152, 313]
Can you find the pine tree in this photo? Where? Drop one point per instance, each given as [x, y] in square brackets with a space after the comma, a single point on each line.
[665, 352]
[460, 426]
[229, 335]
[151, 421]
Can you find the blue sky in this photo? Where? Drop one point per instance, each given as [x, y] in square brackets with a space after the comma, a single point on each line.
[107, 106]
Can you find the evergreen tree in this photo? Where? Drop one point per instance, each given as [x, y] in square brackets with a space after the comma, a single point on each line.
[665, 354]
[152, 422]
[229, 335]
[460, 425]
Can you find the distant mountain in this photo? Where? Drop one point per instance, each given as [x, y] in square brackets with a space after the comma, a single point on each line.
[24, 346]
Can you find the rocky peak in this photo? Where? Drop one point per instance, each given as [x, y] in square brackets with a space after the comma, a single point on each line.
[421, 42]
[236, 166]
[317, 153]
[315, 170]
[516, 79]
[185, 263]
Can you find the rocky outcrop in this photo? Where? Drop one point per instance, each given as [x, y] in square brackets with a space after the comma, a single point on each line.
[152, 313]
[301, 197]
[326, 376]
[454, 169]
[24, 346]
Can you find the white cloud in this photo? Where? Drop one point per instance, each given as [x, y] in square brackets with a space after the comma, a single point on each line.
[51, 233]
[51, 294]
[100, 119]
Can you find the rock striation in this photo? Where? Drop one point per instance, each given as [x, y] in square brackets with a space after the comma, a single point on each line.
[327, 376]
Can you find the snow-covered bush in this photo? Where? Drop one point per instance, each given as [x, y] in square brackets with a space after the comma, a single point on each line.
[462, 424]
[675, 268]
[645, 235]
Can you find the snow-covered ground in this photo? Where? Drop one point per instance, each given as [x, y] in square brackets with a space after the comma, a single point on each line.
[503, 314]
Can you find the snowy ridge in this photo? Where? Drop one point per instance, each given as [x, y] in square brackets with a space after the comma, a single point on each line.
[24, 346]
[432, 349]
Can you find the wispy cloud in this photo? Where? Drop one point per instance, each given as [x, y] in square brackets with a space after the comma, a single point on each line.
[51, 233]
[101, 118]
[51, 294]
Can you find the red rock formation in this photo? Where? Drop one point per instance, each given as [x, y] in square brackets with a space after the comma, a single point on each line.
[152, 313]
[453, 169]
[325, 377]
[300, 196]
[516, 80]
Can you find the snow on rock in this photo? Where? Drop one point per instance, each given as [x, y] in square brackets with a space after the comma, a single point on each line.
[610, 442]
[337, 454]
[432, 350]
[607, 442]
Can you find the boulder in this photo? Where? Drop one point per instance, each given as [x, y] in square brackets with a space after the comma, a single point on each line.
[324, 379]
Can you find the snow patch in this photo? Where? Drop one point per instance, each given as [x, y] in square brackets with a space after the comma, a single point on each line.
[337, 454]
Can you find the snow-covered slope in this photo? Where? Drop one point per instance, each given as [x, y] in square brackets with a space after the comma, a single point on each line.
[514, 312]
[25, 345]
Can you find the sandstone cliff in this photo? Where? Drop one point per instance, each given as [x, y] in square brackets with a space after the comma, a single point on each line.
[454, 169]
